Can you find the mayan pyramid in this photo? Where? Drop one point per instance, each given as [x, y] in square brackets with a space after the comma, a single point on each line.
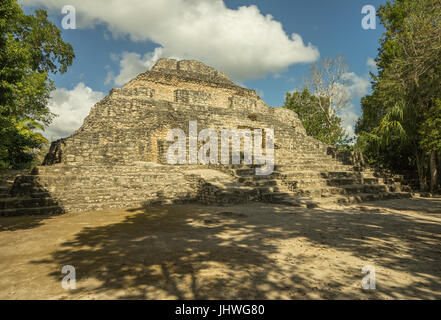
[117, 158]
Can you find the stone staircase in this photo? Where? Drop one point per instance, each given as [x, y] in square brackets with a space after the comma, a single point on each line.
[58, 189]
[35, 203]
[310, 177]
[304, 175]
[6, 182]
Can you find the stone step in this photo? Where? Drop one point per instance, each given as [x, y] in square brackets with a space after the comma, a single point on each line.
[274, 197]
[74, 182]
[37, 194]
[229, 196]
[242, 178]
[324, 192]
[138, 170]
[293, 146]
[86, 194]
[281, 169]
[288, 199]
[304, 155]
[299, 151]
[4, 190]
[58, 171]
[319, 182]
[308, 162]
[145, 177]
[325, 174]
[255, 179]
[245, 172]
[30, 206]
[99, 170]
[26, 202]
[271, 189]
[52, 210]
[310, 167]
[82, 207]
[262, 183]
[301, 146]
[4, 195]
[363, 197]
[122, 179]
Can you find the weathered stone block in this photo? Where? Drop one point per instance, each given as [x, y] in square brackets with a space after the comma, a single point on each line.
[193, 97]
[169, 64]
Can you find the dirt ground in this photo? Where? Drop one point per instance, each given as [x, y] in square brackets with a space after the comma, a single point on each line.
[253, 251]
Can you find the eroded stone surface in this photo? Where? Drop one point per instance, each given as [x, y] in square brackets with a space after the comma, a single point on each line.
[117, 158]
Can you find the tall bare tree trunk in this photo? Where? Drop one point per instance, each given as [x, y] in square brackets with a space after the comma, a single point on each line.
[421, 171]
[433, 172]
[439, 170]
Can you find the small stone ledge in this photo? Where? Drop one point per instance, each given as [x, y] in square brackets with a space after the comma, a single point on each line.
[192, 97]
[133, 92]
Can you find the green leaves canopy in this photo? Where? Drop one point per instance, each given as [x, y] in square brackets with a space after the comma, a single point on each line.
[400, 119]
[31, 48]
[314, 119]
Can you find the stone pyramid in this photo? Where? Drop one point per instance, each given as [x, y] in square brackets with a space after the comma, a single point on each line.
[117, 159]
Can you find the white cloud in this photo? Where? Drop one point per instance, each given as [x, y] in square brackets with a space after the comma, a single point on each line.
[372, 65]
[348, 119]
[132, 64]
[71, 106]
[110, 77]
[243, 42]
[357, 86]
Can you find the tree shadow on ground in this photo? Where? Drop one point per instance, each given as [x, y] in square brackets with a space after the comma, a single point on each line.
[427, 206]
[197, 252]
[22, 222]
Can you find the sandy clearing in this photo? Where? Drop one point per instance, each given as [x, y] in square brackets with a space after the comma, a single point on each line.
[256, 251]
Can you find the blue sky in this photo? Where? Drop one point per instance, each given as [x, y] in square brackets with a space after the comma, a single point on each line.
[116, 39]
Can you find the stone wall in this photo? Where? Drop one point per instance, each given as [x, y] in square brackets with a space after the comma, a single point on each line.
[127, 125]
[83, 188]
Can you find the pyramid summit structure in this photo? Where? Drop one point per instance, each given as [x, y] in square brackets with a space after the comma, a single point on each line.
[118, 158]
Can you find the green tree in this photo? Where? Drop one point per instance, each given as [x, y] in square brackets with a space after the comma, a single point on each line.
[317, 123]
[409, 63]
[322, 100]
[31, 48]
[19, 142]
[430, 132]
